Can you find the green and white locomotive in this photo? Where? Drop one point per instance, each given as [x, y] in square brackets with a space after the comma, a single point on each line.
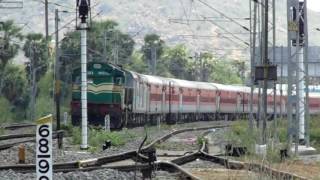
[105, 94]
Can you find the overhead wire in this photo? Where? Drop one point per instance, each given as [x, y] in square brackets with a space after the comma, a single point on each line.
[228, 38]
[188, 24]
[224, 15]
[224, 29]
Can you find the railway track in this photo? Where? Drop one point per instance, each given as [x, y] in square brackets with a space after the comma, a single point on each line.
[145, 165]
[17, 126]
[16, 139]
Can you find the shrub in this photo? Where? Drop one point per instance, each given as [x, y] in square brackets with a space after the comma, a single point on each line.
[96, 138]
[5, 111]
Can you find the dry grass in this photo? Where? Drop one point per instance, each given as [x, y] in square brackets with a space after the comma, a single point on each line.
[225, 174]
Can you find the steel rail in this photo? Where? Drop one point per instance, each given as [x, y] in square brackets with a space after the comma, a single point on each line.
[31, 138]
[17, 126]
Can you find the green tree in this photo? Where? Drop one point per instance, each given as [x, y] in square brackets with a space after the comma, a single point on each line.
[152, 44]
[36, 49]
[207, 68]
[15, 89]
[9, 45]
[223, 72]
[240, 68]
[105, 41]
[177, 61]
[137, 64]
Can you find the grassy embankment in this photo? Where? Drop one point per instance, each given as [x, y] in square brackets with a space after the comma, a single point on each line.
[98, 136]
[239, 134]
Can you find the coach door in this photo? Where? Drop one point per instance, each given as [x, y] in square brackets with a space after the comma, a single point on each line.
[238, 108]
[198, 101]
[218, 97]
[180, 104]
[163, 101]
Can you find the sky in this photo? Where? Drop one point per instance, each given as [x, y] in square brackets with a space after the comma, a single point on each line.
[314, 5]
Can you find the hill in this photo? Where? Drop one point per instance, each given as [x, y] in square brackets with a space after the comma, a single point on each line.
[176, 21]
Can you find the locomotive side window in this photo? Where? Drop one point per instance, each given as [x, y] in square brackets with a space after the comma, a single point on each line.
[90, 81]
[118, 81]
[77, 80]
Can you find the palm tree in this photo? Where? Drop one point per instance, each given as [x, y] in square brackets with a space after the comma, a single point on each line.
[10, 35]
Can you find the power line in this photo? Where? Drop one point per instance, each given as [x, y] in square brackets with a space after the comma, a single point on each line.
[230, 39]
[188, 24]
[216, 19]
[222, 14]
[68, 23]
[224, 29]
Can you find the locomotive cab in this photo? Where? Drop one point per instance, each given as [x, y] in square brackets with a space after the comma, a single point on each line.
[105, 95]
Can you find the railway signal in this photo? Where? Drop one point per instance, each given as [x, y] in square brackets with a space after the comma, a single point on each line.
[83, 12]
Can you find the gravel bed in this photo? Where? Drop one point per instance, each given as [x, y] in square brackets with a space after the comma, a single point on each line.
[202, 164]
[72, 153]
[182, 142]
[163, 175]
[108, 174]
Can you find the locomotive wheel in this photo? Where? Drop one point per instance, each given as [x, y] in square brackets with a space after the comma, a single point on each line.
[75, 120]
[116, 123]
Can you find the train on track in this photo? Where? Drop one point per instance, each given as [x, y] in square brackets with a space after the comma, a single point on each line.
[133, 99]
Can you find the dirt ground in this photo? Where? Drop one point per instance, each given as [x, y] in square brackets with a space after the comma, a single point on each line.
[308, 170]
[226, 174]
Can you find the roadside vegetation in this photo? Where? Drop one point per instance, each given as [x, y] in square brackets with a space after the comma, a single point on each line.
[98, 136]
[240, 135]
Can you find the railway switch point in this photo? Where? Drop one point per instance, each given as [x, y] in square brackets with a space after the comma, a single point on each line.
[107, 145]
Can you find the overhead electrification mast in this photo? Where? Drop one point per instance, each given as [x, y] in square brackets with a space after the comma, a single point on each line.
[298, 77]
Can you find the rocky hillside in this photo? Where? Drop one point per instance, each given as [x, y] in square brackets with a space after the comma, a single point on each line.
[176, 21]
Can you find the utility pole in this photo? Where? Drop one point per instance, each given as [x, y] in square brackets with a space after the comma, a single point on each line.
[253, 59]
[274, 61]
[83, 12]
[105, 46]
[32, 81]
[57, 70]
[306, 69]
[298, 76]
[265, 71]
[46, 19]
[199, 66]
[115, 49]
[154, 60]
[281, 83]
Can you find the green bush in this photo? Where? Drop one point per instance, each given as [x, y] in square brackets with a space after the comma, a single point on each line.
[76, 135]
[2, 131]
[5, 111]
[44, 101]
[241, 135]
[96, 138]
